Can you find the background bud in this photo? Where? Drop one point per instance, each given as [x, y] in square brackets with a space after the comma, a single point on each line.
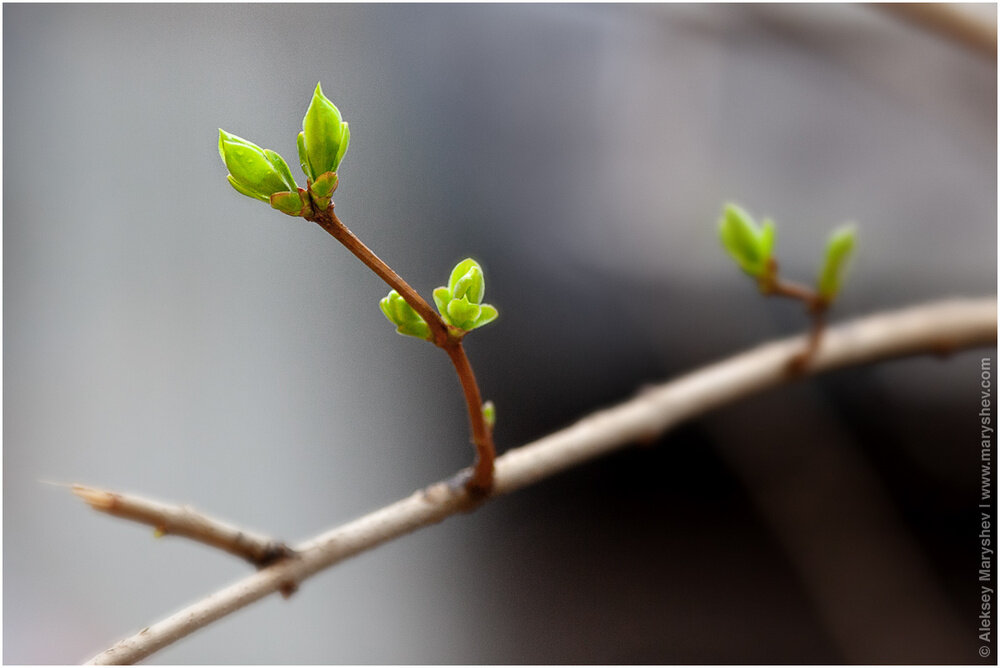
[749, 245]
[838, 252]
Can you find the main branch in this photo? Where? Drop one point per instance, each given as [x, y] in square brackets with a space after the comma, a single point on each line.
[938, 328]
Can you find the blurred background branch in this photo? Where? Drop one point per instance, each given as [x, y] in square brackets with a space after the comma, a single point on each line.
[970, 24]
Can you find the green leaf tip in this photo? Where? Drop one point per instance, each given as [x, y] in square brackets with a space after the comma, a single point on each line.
[839, 248]
[324, 137]
[750, 245]
[257, 172]
[460, 303]
[408, 322]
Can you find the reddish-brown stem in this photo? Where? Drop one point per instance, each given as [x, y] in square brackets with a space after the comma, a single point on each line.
[482, 437]
[771, 284]
[782, 288]
[445, 337]
[328, 221]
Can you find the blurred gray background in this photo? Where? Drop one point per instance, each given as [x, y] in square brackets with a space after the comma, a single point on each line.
[166, 336]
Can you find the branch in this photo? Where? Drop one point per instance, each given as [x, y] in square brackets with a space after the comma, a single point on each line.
[186, 521]
[329, 221]
[443, 336]
[964, 25]
[481, 479]
[938, 328]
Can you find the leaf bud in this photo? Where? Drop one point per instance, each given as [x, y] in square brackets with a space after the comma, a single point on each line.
[253, 171]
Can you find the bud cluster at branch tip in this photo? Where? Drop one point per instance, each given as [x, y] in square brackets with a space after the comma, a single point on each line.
[322, 144]
[264, 175]
[752, 247]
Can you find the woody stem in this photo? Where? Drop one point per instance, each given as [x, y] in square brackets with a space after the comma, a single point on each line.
[443, 336]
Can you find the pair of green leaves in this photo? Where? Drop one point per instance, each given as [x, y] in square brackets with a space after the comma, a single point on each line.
[460, 304]
[264, 175]
[752, 247]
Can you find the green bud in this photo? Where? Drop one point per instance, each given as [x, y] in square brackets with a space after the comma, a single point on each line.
[460, 303]
[325, 184]
[323, 188]
[490, 414]
[467, 280]
[442, 296]
[293, 203]
[838, 252]
[462, 313]
[749, 245]
[408, 322]
[253, 171]
[324, 137]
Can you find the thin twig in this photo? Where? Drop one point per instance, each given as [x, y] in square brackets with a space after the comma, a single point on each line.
[771, 284]
[329, 221]
[444, 336]
[185, 521]
[482, 436]
[937, 328]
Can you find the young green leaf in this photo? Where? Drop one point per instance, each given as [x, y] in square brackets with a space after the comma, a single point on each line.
[253, 171]
[324, 137]
[281, 167]
[467, 280]
[460, 303]
[462, 313]
[487, 315]
[408, 322]
[749, 245]
[300, 143]
[442, 296]
[838, 253]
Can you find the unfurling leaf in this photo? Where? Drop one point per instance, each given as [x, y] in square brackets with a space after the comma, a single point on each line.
[838, 253]
[750, 245]
[408, 322]
[460, 303]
